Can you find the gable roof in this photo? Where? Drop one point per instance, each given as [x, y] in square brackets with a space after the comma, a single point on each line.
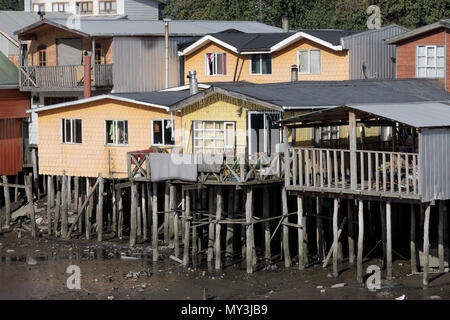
[445, 23]
[246, 43]
[9, 73]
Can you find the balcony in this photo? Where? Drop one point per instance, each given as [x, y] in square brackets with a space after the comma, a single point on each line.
[32, 78]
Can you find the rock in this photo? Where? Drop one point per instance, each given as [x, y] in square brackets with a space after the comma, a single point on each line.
[31, 261]
[10, 251]
[338, 285]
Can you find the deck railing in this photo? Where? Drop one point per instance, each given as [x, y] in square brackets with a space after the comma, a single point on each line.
[375, 172]
[63, 76]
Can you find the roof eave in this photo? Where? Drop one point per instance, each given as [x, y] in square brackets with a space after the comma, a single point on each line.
[299, 35]
[418, 31]
[202, 42]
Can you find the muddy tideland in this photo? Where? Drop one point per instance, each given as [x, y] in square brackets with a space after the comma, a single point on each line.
[44, 268]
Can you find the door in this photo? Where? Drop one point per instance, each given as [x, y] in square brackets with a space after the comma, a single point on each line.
[70, 52]
[264, 133]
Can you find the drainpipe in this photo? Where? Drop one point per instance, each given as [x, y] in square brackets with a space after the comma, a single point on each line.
[236, 67]
[87, 75]
[193, 83]
[166, 27]
[294, 73]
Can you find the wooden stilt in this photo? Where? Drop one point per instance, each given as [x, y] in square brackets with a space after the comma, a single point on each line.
[266, 214]
[319, 230]
[388, 241]
[166, 213]
[144, 213]
[359, 277]
[69, 191]
[76, 185]
[412, 241]
[335, 237]
[305, 233]
[383, 232]
[211, 209]
[138, 213]
[114, 208]
[99, 213]
[133, 215]
[219, 210]
[244, 229]
[81, 198]
[351, 233]
[149, 208]
[194, 228]
[7, 201]
[120, 214]
[35, 173]
[29, 193]
[88, 212]
[49, 205]
[230, 214]
[187, 226]
[172, 208]
[301, 232]
[44, 184]
[155, 221]
[64, 205]
[249, 229]
[426, 243]
[286, 252]
[442, 209]
[57, 204]
[16, 189]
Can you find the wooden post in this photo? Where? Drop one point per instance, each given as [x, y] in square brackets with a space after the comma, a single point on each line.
[351, 233]
[144, 213]
[114, 208]
[64, 205]
[286, 252]
[383, 232]
[426, 243]
[412, 242]
[211, 209]
[57, 204]
[88, 211]
[35, 173]
[138, 213]
[388, 241]
[230, 215]
[155, 221]
[352, 144]
[99, 216]
[219, 210]
[442, 224]
[194, 228]
[335, 237]
[81, 198]
[120, 214]
[69, 191]
[359, 277]
[7, 201]
[16, 189]
[173, 207]
[76, 182]
[166, 213]
[29, 193]
[133, 214]
[301, 232]
[187, 226]
[266, 214]
[249, 229]
[172, 213]
[319, 230]
[49, 204]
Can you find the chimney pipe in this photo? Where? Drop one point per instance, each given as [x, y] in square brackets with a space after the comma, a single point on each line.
[87, 75]
[285, 23]
[294, 73]
[193, 83]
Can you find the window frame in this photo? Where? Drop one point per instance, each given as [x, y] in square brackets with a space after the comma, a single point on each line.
[63, 3]
[260, 64]
[309, 61]
[42, 49]
[164, 144]
[84, 2]
[224, 67]
[40, 5]
[73, 128]
[116, 121]
[98, 48]
[426, 66]
[226, 146]
[110, 11]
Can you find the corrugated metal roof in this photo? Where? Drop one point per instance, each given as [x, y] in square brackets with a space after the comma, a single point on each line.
[125, 27]
[9, 73]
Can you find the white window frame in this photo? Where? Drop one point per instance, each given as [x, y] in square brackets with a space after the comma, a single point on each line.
[39, 6]
[260, 64]
[309, 61]
[426, 66]
[82, 3]
[107, 11]
[215, 64]
[226, 144]
[73, 127]
[163, 134]
[65, 6]
[116, 138]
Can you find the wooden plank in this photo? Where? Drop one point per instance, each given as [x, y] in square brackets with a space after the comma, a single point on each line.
[294, 167]
[64, 206]
[173, 206]
[120, 214]
[300, 167]
[211, 208]
[29, 194]
[351, 233]
[369, 170]
[343, 169]
[186, 222]
[389, 241]
[359, 277]
[307, 168]
[166, 213]
[415, 175]
[407, 172]
[361, 155]
[266, 214]
[99, 213]
[335, 237]
[155, 222]
[377, 172]
[329, 173]
[88, 216]
[7, 201]
[217, 245]
[335, 169]
[172, 213]
[314, 166]
[384, 172]
[352, 145]
[392, 170]
[399, 172]
[57, 204]
[249, 229]
[287, 166]
[426, 243]
[35, 173]
[321, 167]
[230, 215]
[49, 204]
[301, 233]
[286, 251]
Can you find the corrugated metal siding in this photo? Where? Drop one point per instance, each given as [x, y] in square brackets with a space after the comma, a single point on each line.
[10, 146]
[139, 63]
[142, 9]
[434, 157]
[369, 47]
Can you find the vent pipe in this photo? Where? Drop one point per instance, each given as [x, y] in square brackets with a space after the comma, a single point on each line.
[87, 75]
[294, 73]
[193, 83]
[285, 23]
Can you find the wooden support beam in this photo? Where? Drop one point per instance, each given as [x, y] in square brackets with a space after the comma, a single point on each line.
[57, 205]
[120, 214]
[138, 213]
[352, 145]
[219, 210]
[319, 230]
[412, 241]
[133, 215]
[16, 189]
[88, 212]
[335, 237]
[249, 229]
[230, 215]
[49, 204]
[211, 208]
[194, 228]
[388, 241]
[441, 227]
[173, 207]
[99, 213]
[64, 206]
[29, 193]
[35, 173]
[359, 263]
[69, 191]
[426, 242]
[166, 213]
[383, 233]
[155, 221]
[351, 231]
[286, 251]
[266, 214]
[144, 213]
[114, 208]
[187, 226]
[301, 232]
[76, 182]
[7, 201]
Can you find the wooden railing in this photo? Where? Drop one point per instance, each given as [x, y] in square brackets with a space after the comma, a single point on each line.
[375, 172]
[63, 76]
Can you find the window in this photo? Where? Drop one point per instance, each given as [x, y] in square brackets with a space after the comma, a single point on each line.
[98, 54]
[38, 7]
[261, 64]
[162, 132]
[308, 61]
[116, 132]
[216, 64]
[84, 7]
[430, 61]
[60, 7]
[213, 136]
[42, 51]
[107, 7]
[71, 130]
